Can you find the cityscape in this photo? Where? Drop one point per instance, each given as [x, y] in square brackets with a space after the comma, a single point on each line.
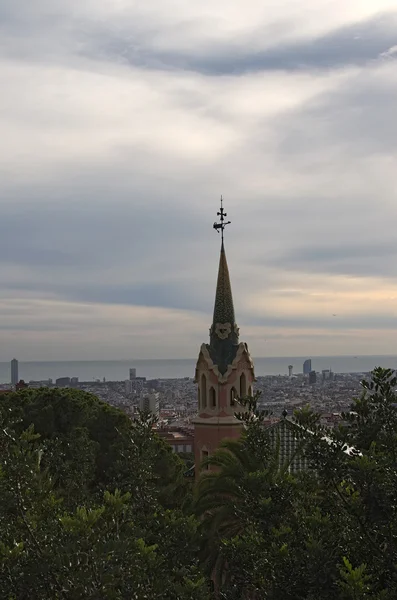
[174, 401]
[198, 358]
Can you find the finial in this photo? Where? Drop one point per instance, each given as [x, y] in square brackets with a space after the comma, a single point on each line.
[221, 226]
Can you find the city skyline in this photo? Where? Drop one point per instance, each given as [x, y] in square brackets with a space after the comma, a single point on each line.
[125, 125]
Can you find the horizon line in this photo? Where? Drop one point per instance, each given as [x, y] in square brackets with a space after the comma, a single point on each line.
[131, 360]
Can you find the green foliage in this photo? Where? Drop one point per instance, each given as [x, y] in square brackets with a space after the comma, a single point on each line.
[95, 506]
[327, 533]
[63, 535]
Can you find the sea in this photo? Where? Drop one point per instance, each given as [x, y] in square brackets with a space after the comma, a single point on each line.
[118, 370]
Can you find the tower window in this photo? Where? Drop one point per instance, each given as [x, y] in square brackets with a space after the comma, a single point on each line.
[233, 395]
[203, 391]
[212, 398]
[243, 385]
[204, 456]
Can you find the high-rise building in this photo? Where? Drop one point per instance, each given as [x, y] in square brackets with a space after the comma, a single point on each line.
[150, 403]
[307, 366]
[132, 374]
[14, 371]
[290, 370]
[62, 382]
[224, 369]
[325, 374]
[312, 377]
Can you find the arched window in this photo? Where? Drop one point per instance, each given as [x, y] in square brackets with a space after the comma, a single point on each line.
[204, 455]
[243, 385]
[199, 398]
[203, 391]
[233, 396]
[212, 398]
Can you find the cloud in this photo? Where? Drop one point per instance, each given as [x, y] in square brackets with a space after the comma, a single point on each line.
[354, 44]
[123, 126]
[390, 53]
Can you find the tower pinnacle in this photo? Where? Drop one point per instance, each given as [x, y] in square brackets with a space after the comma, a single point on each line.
[222, 216]
[224, 331]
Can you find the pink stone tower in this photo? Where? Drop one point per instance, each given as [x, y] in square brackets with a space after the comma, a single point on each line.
[224, 369]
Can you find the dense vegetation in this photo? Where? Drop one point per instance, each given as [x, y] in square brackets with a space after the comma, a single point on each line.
[93, 506]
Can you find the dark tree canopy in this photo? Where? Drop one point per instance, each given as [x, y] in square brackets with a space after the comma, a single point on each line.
[94, 506]
[90, 504]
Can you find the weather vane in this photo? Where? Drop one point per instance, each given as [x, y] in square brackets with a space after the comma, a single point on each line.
[220, 227]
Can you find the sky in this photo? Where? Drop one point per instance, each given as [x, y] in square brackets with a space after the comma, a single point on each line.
[122, 124]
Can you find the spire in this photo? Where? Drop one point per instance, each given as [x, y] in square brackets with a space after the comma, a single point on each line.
[223, 309]
[224, 331]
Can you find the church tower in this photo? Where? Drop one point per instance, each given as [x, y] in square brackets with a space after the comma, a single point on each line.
[224, 369]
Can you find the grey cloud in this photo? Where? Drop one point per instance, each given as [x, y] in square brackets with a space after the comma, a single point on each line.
[369, 258]
[48, 34]
[331, 324]
[69, 233]
[358, 117]
[103, 232]
[354, 44]
[118, 253]
[174, 295]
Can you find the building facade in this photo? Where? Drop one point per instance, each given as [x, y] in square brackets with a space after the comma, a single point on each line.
[224, 370]
[150, 403]
[14, 372]
[307, 366]
[180, 440]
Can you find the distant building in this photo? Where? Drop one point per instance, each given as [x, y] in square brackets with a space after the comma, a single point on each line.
[40, 384]
[14, 371]
[290, 370]
[138, 384]
[180, 440]
[128, 387]
[307, 366]
[286, 436]
[312, 377]
[62, 382]
[150, 403]
[74, 382]
[21, 385]
[326, 373]
[132, 374]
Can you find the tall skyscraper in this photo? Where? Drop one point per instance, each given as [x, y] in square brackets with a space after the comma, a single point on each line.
[224, 369]
[290, 370]
[132, 374]
[14, 371]
[307, 366]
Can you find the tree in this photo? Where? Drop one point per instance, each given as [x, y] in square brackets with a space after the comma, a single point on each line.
[91, 447]
[57, 542]
[327, 533]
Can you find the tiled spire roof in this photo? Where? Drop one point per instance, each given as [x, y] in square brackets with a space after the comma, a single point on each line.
[224, 332]
[223, 309]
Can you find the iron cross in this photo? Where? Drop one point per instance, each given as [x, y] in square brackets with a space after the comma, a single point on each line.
[220, 227]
